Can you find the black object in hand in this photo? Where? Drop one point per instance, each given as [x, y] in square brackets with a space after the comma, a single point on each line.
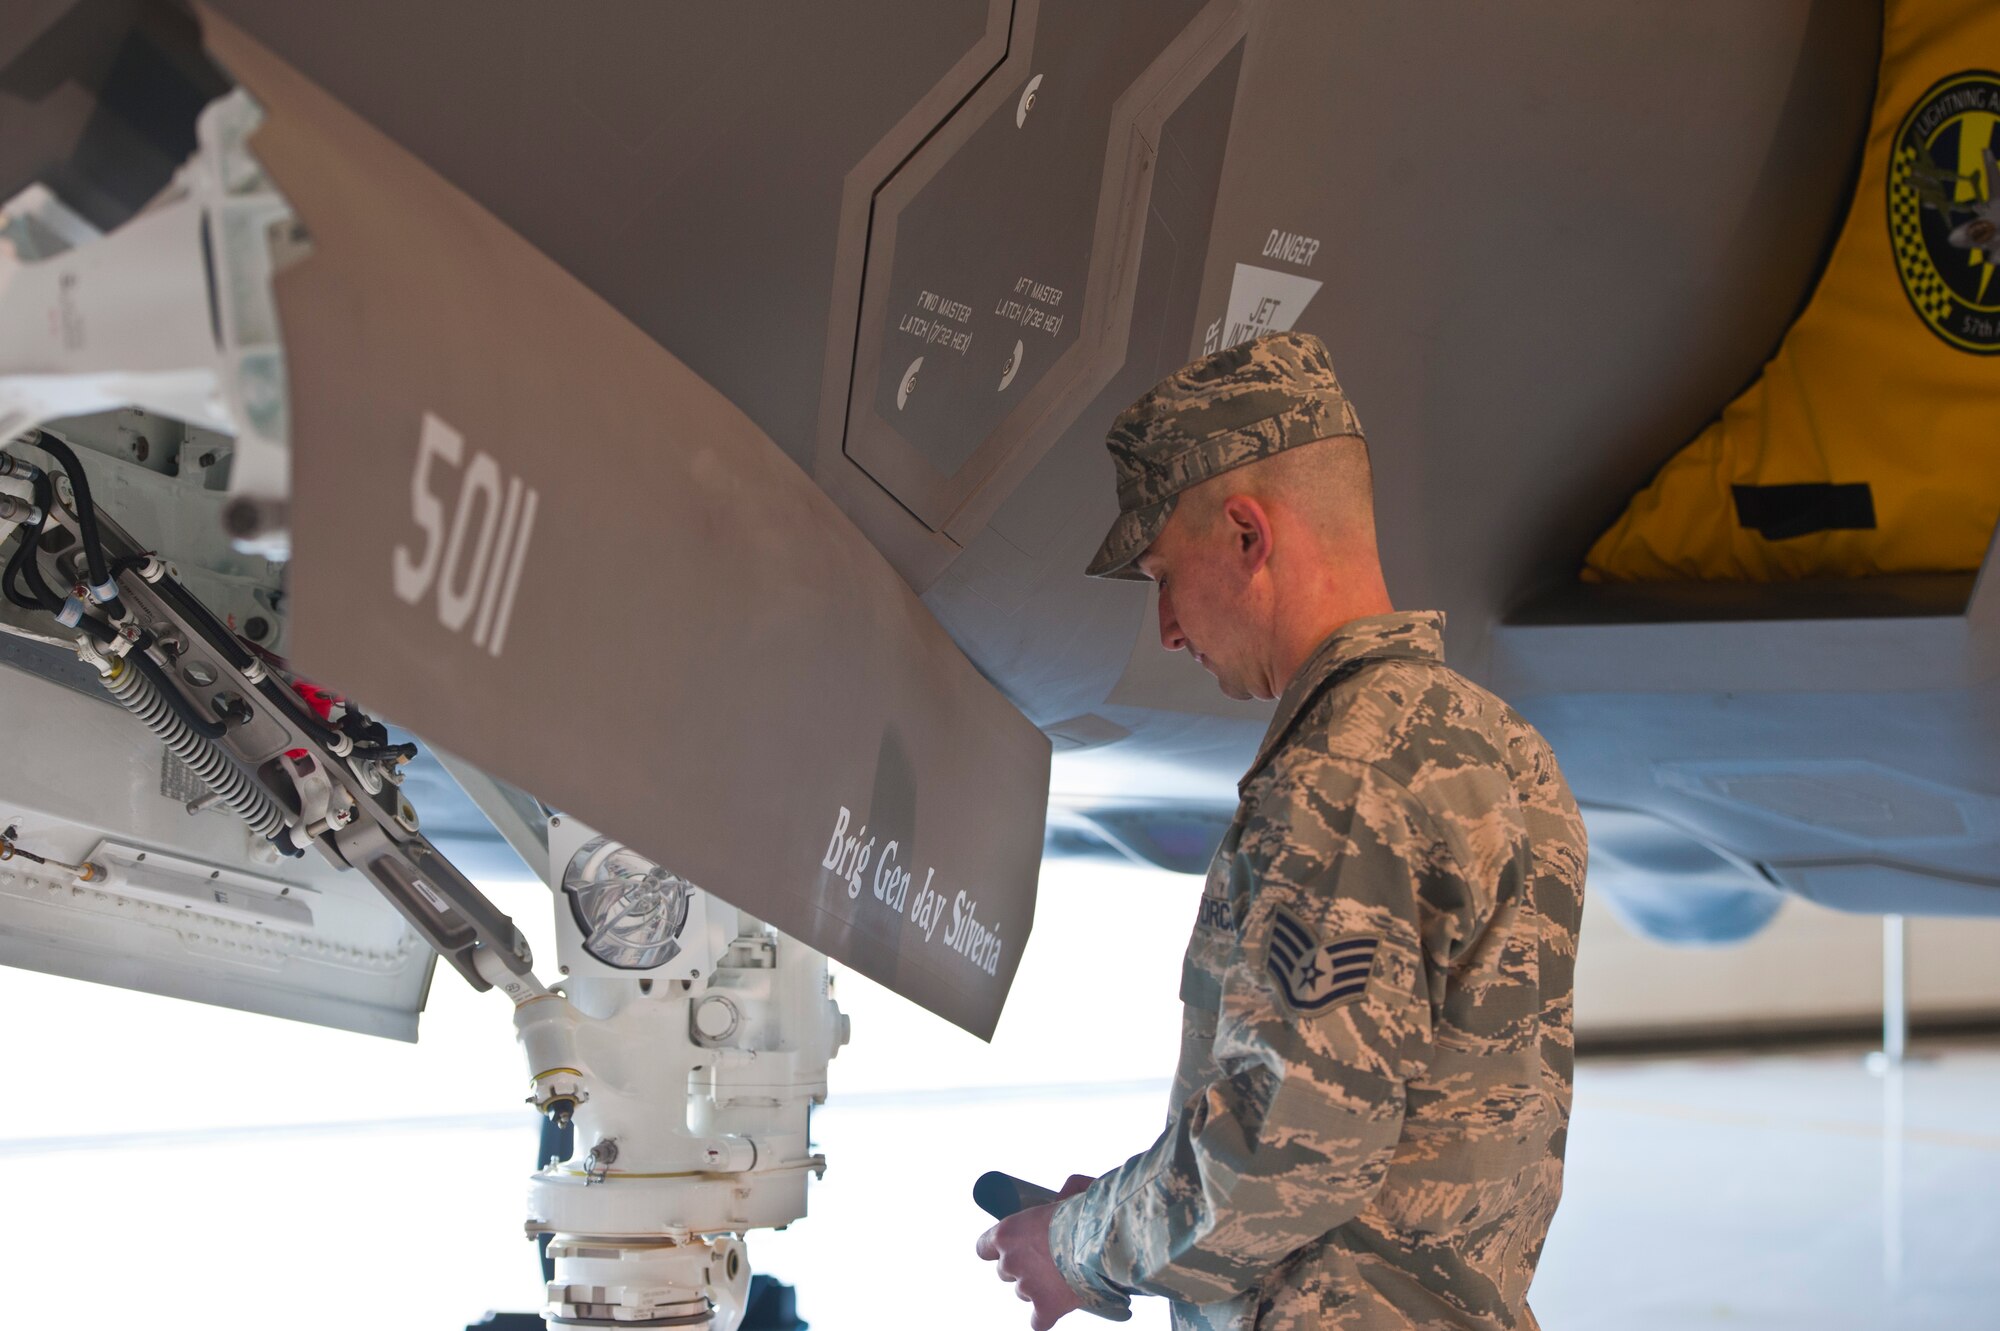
[1000, 1195]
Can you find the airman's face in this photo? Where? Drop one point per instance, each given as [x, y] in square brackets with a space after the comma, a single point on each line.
[1200, 607]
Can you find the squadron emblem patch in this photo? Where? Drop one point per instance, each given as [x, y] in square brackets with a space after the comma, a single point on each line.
[1312, 975]
[1944, 209]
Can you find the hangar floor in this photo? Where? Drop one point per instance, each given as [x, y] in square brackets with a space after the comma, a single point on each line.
[1780, 1192]
[1766, 1192]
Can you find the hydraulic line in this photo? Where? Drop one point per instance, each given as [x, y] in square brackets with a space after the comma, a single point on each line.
[295, 710]
[137, 695]
[22, 553]
[135, 680]
[24, 565]
[102, 586]
[213, 631]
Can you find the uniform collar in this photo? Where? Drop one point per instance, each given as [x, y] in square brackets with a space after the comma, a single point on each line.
[1416, 635]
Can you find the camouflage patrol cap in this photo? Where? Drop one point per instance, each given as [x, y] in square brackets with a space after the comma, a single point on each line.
[1232, 407]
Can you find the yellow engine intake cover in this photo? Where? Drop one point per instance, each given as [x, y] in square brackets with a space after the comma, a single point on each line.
[1871, 442]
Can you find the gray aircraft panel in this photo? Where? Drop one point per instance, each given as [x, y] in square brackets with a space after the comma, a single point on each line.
[981, 259]
[675, 636]
[1833, 753]
[686, 162]
[1565, 133]
[1021, 573]
[1554, 240]
[1372, 134]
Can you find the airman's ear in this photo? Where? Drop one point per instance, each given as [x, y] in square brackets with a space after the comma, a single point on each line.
[1249, 529]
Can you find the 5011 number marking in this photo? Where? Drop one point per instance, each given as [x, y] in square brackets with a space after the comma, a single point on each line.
[473, 561]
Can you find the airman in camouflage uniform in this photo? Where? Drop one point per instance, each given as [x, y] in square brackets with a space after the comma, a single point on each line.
[1368, 1119]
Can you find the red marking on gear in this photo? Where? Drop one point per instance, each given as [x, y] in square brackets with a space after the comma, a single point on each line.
[322, 701]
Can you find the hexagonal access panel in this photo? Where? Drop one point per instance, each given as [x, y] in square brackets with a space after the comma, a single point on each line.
[998, 253]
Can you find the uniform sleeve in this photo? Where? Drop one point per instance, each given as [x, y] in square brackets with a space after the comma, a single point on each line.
[1326, 1014]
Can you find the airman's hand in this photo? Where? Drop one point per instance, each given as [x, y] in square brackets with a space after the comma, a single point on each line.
[1020, 1244]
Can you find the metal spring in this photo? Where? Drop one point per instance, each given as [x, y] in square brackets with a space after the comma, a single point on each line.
[136, 694]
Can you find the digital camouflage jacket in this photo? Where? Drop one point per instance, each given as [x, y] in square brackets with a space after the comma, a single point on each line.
[1368, 1120]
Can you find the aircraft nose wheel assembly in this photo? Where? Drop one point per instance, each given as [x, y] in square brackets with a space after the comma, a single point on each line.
[685, 1052]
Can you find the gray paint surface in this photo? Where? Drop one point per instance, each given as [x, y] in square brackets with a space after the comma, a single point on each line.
[983, 242]
[683, 161]
[706, 660]
[1556, 238]
[1552, 239]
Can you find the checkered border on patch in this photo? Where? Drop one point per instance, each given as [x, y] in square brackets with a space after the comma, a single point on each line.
[1928, 292]
[1944, 311]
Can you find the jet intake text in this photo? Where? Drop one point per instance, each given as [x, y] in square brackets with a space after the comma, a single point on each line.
[851, 857]
[472, 556]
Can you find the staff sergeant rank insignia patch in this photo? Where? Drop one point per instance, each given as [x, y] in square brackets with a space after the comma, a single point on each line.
[1314, 976]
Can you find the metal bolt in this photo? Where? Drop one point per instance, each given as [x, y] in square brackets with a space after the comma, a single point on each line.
[598, 1163]
[406, 814]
